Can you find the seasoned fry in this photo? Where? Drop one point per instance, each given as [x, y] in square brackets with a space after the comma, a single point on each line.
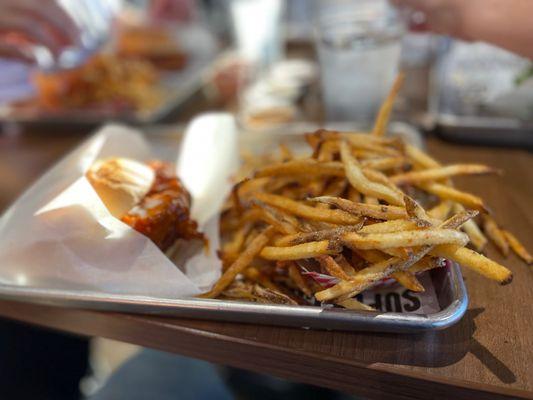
[368, 276]
[300, 251]
[354, 195]
[255, 275]
[442, 173]
[364, 210]
[385, 111]
[441, 211]
[390, 227]
[331, 266]
[284, 223]
[384, 164]
[302, 210]
[316, 236]
[448, 193]
[357, 178]
[421, 159]
[479, 263]
[243, 261]
[371, 200]
[404, 239]
[352, 304]
[417, 214]
[478, 240]
[408, 280]
[302, 167]
[236, 243]
[518, 247]
[496, 235]
[404, 278]
[298, 279]
[285, 152]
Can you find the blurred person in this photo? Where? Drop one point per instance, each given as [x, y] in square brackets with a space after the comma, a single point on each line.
[504, 23]
[172, 10]
[52, 33]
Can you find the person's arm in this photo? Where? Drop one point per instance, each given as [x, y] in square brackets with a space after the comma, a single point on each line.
[27, 22]
[505, 23]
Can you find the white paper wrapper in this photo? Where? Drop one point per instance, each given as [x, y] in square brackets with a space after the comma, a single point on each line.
[59, 235]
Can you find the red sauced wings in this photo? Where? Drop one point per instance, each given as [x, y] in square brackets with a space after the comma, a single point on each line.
[163, 215]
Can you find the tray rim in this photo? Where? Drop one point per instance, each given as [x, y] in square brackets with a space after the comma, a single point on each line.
[235, 311]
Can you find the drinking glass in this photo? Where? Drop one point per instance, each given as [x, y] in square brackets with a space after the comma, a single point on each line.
[358, 44]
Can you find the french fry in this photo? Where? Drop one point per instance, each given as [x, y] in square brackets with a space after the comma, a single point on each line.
[380, 127]
[302, 210]
[345, 265]
[352, 304]
[441, 211]
[477, 238]
[479, 263]
[302, 167]
[359, 181]
[368, 276]
[518, 247]
[436, 174]
[283, 223]
[496, 235]
[371, 200]
[243, 261]
[255, 275]
[362, 280]
[316, 236]
[285, 152]
[390, 227]
[404, 278]
[331, 266]
[408, 280]
[425, 264]
[364, 210]
[354, 195]
[405, 239]
[298, 279]
[384, 164]
[300, 251]
[420, 158]
[448, 193]
[237, 241]
[417, 214]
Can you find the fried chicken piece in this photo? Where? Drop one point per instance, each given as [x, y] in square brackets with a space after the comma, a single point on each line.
[163, 215]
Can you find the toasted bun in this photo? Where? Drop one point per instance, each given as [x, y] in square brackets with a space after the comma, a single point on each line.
[121, 183]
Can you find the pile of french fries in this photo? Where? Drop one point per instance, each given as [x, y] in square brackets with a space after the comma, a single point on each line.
[361, 208]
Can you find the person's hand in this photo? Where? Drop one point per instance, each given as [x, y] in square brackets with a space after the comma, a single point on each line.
[54, 33]
[505, 23]
[26, 23]
[445, 17]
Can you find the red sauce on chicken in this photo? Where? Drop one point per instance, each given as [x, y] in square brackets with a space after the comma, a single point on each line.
[163, 215]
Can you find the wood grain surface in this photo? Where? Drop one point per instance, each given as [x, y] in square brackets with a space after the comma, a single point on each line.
[488, 354]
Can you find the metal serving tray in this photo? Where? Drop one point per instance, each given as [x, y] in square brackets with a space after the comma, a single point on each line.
[177, 87]
[480, 127]
[448, 284]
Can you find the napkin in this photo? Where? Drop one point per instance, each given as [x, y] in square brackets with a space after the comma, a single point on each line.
[59, 234]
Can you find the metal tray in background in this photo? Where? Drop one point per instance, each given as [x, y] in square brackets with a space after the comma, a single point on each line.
[177, 88]
[448, 284]
[483, 127]
[488, 131]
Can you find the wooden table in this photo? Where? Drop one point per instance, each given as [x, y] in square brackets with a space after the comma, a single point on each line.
[489, 354]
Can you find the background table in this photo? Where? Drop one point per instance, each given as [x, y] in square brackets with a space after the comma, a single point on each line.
[488, 354]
